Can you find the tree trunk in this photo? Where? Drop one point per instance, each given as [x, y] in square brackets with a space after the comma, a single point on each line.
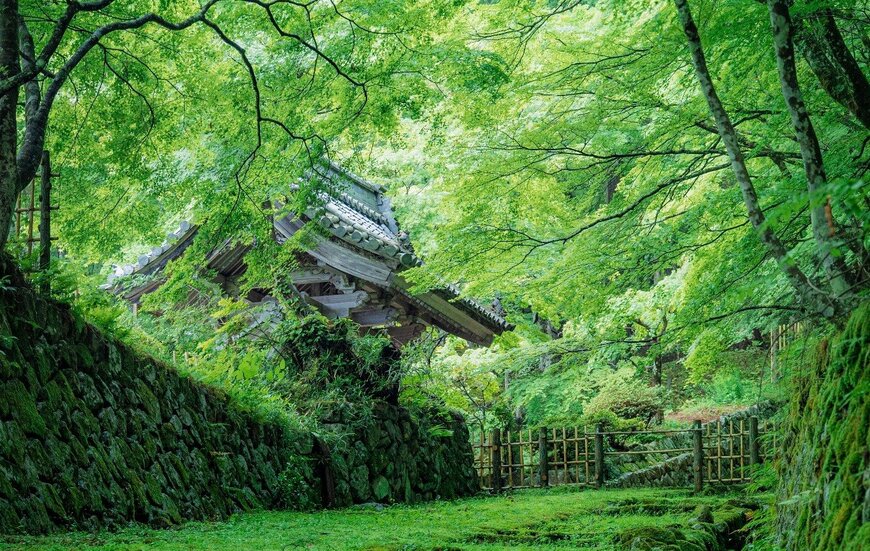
[819, 40]
[824, 228]
[728, 134]
[8, 123]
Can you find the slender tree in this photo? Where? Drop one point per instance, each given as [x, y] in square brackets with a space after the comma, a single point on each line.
[808, 291]
[824, 227]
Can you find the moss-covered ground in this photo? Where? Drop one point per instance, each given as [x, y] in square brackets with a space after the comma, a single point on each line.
[558, 518]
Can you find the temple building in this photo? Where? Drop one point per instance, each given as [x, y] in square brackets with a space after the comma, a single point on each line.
[353, 270]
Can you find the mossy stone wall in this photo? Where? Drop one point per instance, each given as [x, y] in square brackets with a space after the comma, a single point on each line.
[823, 500]
[400, 457]
[93, 435]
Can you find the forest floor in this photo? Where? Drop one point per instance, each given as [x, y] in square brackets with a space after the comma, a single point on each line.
[558, 518]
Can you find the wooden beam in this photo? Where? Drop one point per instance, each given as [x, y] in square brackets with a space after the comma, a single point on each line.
[343, 300]
[339, 256]
[375, 316]
[404, 334]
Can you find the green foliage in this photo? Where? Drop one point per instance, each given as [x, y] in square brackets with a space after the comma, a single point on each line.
[626, 397]
[610, 421]
[295, 490]
[591, 188]
[761, 529]
[334, 363]
[440, 431]
[704, 355]
[572, 174]
[556, 156]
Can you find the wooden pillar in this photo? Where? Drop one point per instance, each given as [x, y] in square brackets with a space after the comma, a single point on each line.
[543, 463]
[754, 456]
[45, 222]
[30, 214]
[698, 463]
[599, 457]
[496, 460]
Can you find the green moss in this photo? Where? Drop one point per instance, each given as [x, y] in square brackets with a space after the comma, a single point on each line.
[16, 401]
[555, 519]
[152, 489]
[826, 439]
[381, 488]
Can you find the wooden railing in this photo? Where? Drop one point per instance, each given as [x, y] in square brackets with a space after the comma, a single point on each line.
[721, 453]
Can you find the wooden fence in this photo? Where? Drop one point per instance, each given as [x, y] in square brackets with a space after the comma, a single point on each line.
[780, 338]
[721, 453]
[31, 207]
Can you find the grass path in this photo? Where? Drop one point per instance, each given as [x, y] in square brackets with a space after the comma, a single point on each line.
[533, 519]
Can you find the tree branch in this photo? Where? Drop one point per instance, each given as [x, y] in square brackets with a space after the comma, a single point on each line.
[34, 134]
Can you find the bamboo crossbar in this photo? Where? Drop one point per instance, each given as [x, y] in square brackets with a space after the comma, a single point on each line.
[639, 432]
[649, 452]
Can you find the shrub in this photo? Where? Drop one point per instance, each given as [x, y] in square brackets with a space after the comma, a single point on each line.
[626, 397]
[295, 490]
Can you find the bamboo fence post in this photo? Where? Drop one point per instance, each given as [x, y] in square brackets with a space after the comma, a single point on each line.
[510, 459]
[599, 457]
[565, 469]
[543, 466]
[742, 451]
[45, 222]
[521, 463]
[754, 458]
[585, 456]
[577, 452]
[30, 217]
[480, 454]
[731, 448]
[698, 465]
[719, 450]
[496, 460]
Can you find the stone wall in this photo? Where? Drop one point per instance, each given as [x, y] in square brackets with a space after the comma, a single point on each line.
[402, 457]
[823, 498]
[94, 435]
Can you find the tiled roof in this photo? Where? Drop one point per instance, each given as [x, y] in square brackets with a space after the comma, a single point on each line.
[347, 218]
